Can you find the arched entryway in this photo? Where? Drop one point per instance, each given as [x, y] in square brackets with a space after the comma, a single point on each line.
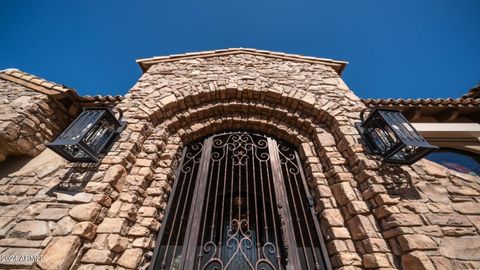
[240, 201]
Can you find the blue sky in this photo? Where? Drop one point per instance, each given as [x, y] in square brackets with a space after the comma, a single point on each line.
[418, 49]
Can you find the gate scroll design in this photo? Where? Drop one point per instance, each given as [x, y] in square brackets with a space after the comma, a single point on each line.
[247, 207]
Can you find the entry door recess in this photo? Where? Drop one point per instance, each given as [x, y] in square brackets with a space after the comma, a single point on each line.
[240, 201]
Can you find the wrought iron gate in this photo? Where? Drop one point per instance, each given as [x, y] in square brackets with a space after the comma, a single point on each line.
[240, 201]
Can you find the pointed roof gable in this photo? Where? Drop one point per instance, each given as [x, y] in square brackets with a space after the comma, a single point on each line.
[338, 66]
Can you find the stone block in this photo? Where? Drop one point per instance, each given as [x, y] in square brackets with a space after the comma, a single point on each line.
[326, 139]
[145, 211]
[333, 217]
[411, 242]
[464, 190]
[102, 199]
[117, 243]
[416, 260]
[131, 258]
[100, 241]
[349, 259]
[465, 248]
[85, 229]
[361, 227]
[98, 256]
[19, 242]
[339, 233]
[357, 207]
[440, 208]
[434, 169]
[60, 253]
[98, 187]
[52, 214]
[449, 220]
[467, 208]
[385, 210]
[64, 226]
[5, 199]
[429, 230]
[113, 225]
[85, 212]
[396, 220]
[434, 192]
[343, 193]
[116, 176]
[150, 223]
[35, 230]
[375, 260]
[336, 246]
[458, 231]
[442, 263]
[375, 245]
[82, 197]
[475, 220]
[142, 242]
[138, 230]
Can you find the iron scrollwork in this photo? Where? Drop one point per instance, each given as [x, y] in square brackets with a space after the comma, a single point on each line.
[236, 241]
[248, 210]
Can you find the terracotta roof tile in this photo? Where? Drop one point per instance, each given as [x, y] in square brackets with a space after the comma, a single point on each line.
[441, 102]
[473, 93]
[50, 88]
[471, 99]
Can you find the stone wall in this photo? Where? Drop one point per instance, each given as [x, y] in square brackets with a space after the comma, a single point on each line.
[107, 216]
[28, 119]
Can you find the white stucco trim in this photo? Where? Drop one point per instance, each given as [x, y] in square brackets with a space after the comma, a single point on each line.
[463, 136]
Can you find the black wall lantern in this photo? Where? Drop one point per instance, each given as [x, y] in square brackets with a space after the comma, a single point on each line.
[89, 136]
[389, 134]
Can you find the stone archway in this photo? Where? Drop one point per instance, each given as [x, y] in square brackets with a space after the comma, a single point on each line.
[192, 130]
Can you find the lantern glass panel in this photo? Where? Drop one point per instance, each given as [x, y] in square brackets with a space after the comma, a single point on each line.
[98, 136]
[74, 152]
[383, 137]
[81, 126]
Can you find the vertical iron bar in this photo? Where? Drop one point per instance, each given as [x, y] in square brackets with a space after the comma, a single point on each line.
[283, 207]
[272, 210]
[190, 242]
[220, 238]
[301, 200]
[167, 212]
[182, 218]
[205, 217]
[170, 234]
[255, 197]
[295, 209]
[324, 251]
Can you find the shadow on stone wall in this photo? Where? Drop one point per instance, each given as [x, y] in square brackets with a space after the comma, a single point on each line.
[75, 179]
[398, 182]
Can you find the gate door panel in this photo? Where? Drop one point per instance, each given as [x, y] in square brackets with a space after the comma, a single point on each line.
[240, 202]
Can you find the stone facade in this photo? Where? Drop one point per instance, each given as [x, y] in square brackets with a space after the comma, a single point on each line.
[107, 215]
[28, 119]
